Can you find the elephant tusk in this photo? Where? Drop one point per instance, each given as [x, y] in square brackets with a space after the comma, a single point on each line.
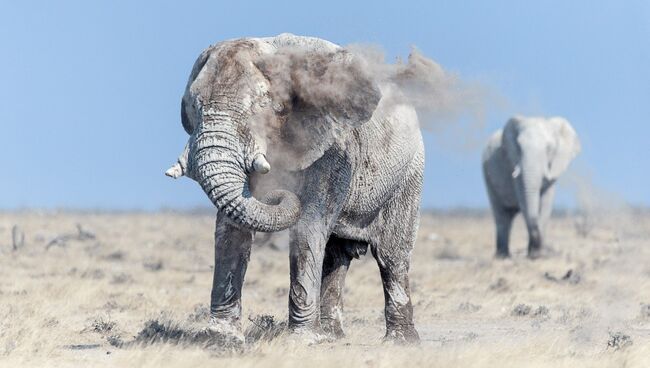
[176, 171]
[260, 164]
[516, 171]
[180, 167]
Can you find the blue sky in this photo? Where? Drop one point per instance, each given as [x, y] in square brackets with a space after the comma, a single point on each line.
[90, 91]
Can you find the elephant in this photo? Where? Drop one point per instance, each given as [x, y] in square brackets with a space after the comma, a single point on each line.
[347, 153]
[521, 164]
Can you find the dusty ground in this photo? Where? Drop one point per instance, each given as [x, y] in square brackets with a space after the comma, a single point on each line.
[73, 303]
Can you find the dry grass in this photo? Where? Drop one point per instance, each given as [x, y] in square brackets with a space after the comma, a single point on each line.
[81, 301]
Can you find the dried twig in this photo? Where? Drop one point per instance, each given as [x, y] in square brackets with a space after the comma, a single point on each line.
[84, 234]
[17, 237]
[62, 240]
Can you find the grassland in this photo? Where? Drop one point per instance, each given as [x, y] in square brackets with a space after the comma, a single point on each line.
[82, 295]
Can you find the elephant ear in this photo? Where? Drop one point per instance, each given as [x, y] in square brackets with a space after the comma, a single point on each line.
[320, 97]
[564, 148]
[189, 112]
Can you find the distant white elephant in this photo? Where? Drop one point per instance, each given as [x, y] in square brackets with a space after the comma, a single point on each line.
[521, 163]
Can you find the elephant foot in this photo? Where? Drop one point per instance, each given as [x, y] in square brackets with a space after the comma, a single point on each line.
[502, 255]
[332, 328]
[534, 253]
[308, 336]
[402, 335]
[225, 333]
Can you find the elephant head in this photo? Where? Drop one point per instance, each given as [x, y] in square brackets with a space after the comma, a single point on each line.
[296, 95]
[539, 151]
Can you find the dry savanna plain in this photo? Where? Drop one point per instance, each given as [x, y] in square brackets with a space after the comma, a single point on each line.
[132, 290]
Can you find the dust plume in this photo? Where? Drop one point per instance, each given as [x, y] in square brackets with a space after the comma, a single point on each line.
[615, 228]
[316, 96]
[440, 97]
[343, 82]
[598, 210]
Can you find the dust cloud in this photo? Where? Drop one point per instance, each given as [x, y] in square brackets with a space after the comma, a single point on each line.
[598, 210]
[440, 97]
[343, 82]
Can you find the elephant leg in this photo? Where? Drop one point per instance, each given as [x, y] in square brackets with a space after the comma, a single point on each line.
[396, 232]
[398, 308]
[306, 267]
[308, 240]
[503, 218]
[338, 255]
[232, 252]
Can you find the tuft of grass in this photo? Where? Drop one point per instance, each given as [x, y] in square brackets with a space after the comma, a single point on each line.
[166, 331]
[121, 278]
[200, 314]
[101, 325]
[264, 327]
[618, 341]
[521, 310]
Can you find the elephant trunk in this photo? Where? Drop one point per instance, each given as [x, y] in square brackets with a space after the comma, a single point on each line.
[219, 166]
[531, 184]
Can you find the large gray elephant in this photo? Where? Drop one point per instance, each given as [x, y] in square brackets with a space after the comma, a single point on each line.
[350, 155]
[521, 164]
